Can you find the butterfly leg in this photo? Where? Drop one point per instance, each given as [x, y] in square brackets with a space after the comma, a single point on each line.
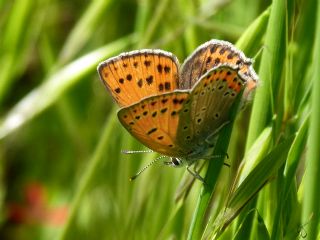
[218, 156]
[212, 138]
[226, 164]
[196, 174]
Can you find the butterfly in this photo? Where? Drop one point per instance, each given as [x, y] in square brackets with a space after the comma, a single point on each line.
[178, 111]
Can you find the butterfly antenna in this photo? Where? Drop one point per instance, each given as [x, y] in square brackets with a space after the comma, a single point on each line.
[145, 167]
[138, 151]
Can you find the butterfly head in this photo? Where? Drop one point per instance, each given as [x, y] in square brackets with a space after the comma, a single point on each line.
[175, 162]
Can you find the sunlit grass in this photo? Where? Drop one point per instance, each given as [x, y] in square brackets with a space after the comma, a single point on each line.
[59, 130]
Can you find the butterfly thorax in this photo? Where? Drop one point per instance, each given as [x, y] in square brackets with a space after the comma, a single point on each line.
[204, 150]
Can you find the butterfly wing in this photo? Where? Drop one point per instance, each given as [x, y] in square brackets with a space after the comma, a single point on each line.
[211, 100]
[154, 121]
[135, 75]
[212, 54]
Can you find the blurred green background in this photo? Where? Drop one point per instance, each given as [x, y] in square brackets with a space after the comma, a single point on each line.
[62, 174]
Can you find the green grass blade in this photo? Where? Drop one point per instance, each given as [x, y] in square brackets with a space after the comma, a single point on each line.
[84, 29]
[270, 70]
[12, 39]
[154, 21]
[259, 149]
[294, 155]
[262, 231]
[250, 40]
[86, 179]
[269, 73]
[143, 13]
[311, 203]
[306, 27]
[287, 185]
[257, 178]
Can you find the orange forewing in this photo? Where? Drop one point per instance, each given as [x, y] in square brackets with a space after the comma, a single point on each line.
[135, 75]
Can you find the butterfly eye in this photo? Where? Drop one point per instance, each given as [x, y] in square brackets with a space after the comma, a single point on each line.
[176, 162]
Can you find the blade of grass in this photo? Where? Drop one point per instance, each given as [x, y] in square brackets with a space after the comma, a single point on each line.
[253, 35]
[83, 30]
[294, 156]
[269, 73]
[79, 36]
[190, 36]
[256, 155]
[154, 21]
[288, 180]
[94, 165]
[263, 233]
[143, 13]
[257, 178]
[12, 39]
[259, 149]
[50, 91]
[311, 202]
[306, 27]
